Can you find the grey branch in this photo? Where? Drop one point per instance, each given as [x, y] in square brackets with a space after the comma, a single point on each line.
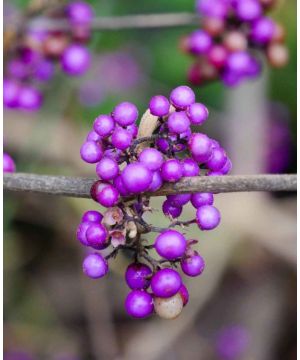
[80, 187]
[122, 22]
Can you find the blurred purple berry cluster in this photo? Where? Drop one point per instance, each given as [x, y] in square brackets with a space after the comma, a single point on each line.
[131, 166]
[232, 34]
[32, 62]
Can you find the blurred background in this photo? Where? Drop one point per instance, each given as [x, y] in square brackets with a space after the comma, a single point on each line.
[244, 304]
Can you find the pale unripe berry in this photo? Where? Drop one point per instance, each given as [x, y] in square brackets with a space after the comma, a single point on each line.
[278, 55]
[168, 308]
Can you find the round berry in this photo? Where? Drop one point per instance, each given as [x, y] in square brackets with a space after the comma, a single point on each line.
[208, 217]
[200, 147]
[197, 113]
[178, 122]
[182, 97]
[11, 92]
[190, 168]
[95, 266]
[30, 99]
[171, 170]
[217, 159]
[81, 232]
[107, 169]
[125, 113]
[166, 283]
[91, 152]
[133, 130]
[248, 10]
[171, 210]
[170, 244]
[75, 60]
[45, 70]
[157, 181]
[138, 276]
[139, 304]
[159, 106]
[169, 308]
[108, 196]
[227, 167]
[96, 236]
[92, 216]
[104, 125]
[262, 30]
[121, 138]
[193, 265]
[200, 199]
[136, 177]
[79, 12]
[199, 42]
[93, 136]
[151, 158]
[8, 164]
[119, 185]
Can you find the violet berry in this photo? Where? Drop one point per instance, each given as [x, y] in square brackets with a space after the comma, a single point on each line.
[138, 276]
[198, 113]
[121, 138]
[92, 216]
[171, 170]
[170, 210]
[125, 114]
[95, 266]
[200, 199]
[104, 125]
[139, 304]
[151, 158]
[159, 106]
[75, 60]
[182, 97]
[178, 122]
[208, 217]
[91, 152]
[96, 235]
[200, 147]
[165, 283]
[193, 265]
[136, 177]
[170, 244]
[8, 164]
[107, 169]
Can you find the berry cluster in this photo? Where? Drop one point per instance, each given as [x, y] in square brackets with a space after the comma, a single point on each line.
[9, 165]
[130, 167]
[32, 63]
[232, 34]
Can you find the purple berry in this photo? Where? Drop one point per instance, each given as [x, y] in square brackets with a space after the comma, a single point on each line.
[119, 185]
[178, 122]
[108, 196]
[137, 276]
[44, 71]
[262, 30]
[121, 138]
[217, 159]
[81, 232]
[136, 177]
[248, 10]
[227, 167]
[104, 125]
[30, 99]
[75, 60]
[79, 13]
[95, 266]
[171, 170]
[107, 169]
[93, 136]
[198, 113]
[11, 92]
[159, 106]
[201, 199]
[162, 145]
[179, 200]
[193, 265]
[182, 97]
[156, 181]
[139, 304]
[169, 209]
[92, 216]
[208, 217]
[200, 147]
[91, 152]
[199, 42]
[125, 114]
[8, 164]
[96, 235]
[166, 283]
[190, 168]
[133, 130]
[151, 158]
[170, 244]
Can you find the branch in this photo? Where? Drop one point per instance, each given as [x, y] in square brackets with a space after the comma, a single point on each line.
[122, 22]
[80, 187]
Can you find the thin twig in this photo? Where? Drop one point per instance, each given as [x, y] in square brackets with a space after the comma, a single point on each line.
[122, 22]
[80, 187]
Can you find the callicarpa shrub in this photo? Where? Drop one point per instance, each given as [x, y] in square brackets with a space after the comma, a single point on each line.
[233, 36]
[38, 52]
[133, 162]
